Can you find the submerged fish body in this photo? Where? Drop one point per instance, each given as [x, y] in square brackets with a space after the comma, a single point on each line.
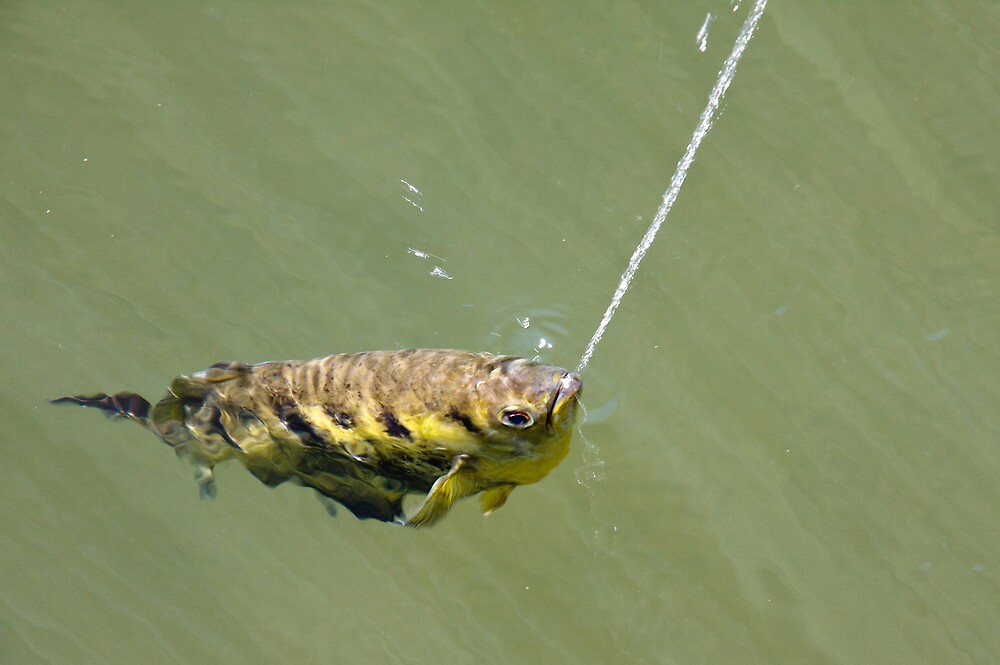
[366, 429]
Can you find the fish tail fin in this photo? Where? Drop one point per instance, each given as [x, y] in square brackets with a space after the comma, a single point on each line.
[119, 405]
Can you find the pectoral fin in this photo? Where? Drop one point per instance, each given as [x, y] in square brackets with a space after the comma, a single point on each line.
[495, 498]
[458, 482]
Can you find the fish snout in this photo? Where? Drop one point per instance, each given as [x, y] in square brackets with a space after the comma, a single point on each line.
[568, 390]
[570, 386]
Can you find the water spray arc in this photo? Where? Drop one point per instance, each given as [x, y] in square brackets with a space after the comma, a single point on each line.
[670, 196]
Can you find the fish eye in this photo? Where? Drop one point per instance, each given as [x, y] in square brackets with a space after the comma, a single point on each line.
[517, 418]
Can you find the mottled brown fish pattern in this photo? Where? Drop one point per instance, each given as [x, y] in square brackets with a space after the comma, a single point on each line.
[366, 429]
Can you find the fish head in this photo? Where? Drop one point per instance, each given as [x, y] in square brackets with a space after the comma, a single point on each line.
[527, 406]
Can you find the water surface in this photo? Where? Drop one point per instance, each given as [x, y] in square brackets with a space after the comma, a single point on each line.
[793, 455]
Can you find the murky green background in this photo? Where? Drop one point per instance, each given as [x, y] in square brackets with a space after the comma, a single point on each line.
[793, 451]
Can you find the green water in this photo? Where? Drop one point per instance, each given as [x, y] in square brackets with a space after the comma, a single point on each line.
[793, 452]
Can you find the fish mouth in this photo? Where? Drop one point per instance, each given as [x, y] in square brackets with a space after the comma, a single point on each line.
[569, 388]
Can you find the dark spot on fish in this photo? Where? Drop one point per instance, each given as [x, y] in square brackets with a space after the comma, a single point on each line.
[340, 418]
[394, 428]
[465, 421]
[415, 471]
[215, 421]
[297, 424]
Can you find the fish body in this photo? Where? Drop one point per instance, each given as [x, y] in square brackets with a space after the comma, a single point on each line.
[366, 429]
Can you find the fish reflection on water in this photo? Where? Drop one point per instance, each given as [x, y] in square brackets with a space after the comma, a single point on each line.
[366, 429]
